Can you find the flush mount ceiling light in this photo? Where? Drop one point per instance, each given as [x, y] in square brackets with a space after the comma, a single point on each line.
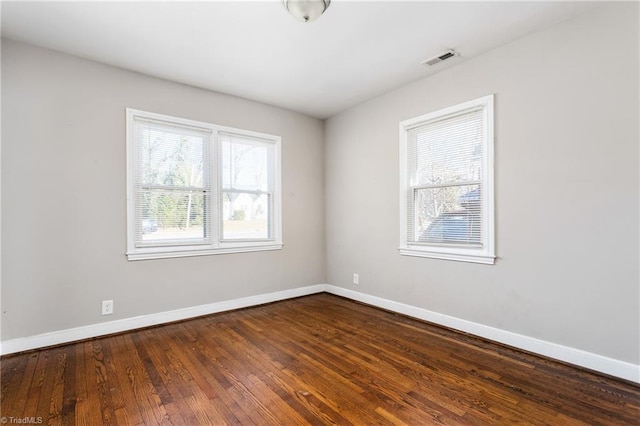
[306, 10]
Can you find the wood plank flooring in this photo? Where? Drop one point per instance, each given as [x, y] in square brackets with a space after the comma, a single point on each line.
[315, 360]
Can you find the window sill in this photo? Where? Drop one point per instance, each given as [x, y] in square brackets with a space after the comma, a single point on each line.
[484, 258]
[165, 254]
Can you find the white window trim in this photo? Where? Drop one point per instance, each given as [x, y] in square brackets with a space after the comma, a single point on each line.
[217, 245]
[485, 254]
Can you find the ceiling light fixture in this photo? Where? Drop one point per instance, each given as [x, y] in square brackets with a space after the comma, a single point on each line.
[306, 10]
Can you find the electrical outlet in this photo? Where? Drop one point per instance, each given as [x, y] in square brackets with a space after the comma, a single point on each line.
[356, 279]
[107, 307]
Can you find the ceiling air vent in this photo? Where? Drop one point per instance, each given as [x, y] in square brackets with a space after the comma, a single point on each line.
[439, 58]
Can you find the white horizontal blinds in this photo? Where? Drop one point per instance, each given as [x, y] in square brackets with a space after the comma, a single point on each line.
[247, 185]
[445, 160]
[171, 184]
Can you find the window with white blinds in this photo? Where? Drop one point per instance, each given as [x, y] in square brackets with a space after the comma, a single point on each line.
[197, 188]
[247, 188]
[447, 183]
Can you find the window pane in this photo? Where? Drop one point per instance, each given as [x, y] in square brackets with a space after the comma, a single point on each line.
[170, 158]
[245, 216]
[172, 215]
[449, 151]
[245, 164]
[196, 188]
[450, 214]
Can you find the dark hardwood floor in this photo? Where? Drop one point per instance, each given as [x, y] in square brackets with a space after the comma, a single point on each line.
[318, 359]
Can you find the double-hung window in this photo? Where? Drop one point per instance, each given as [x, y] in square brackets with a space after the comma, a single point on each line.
[197, 188]
[446, 200]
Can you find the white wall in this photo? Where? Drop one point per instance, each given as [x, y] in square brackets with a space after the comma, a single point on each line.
[64, 196]
[566, 189]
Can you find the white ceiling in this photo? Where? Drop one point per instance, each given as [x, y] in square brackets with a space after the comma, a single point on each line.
[355, 51]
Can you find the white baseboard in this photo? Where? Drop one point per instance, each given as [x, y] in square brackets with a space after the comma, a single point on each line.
[573, 356]
[610, 366]
[118, 326]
